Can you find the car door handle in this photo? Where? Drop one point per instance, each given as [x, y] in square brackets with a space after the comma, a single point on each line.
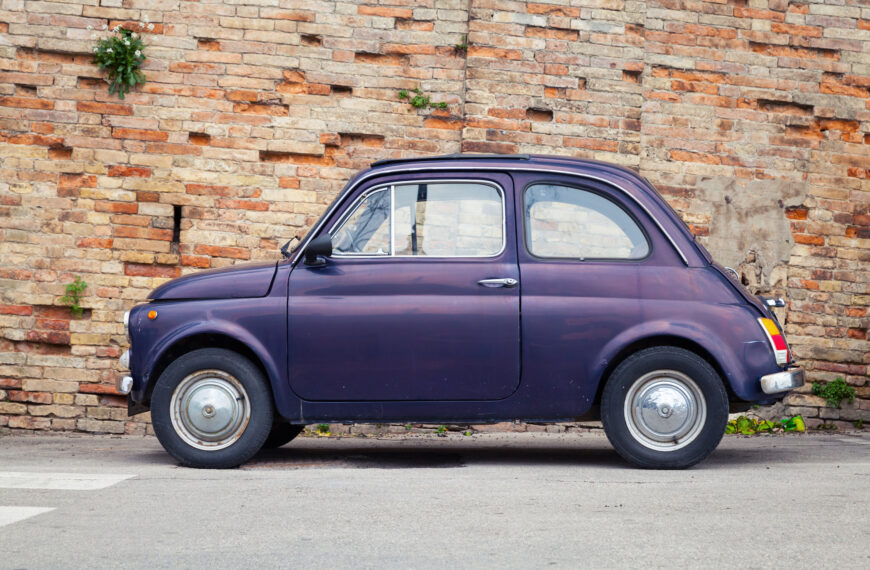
[505, 282]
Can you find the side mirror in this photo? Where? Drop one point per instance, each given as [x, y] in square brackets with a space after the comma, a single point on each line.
[320, 247]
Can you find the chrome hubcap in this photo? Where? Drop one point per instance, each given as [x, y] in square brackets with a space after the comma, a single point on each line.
[665, 410]
[210, 409]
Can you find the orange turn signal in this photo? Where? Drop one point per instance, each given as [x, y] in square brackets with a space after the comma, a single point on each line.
[777, 341]
[152, 315]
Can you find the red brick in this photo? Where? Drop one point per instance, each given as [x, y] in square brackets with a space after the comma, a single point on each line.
[242, 204]
[116, 207]
[140, 134]
[98, 389]
[809, 240]
[550, 10]
[437, 123]
[53, 324]
[188, 67]
[222, 251]
[243, 95]
[39, 140]
[48, 337]
[552, 33]
[144, 270]
[104, 108]
[209, 190]
[257, 109]
[385, 12]
[133, 171]
[196, 261]
[801, 31]
[105, 243]
[21, 310]
[76, 181]
[142, 233]
[170, 148]
[26, 103]
[31, 397]
[494, 53]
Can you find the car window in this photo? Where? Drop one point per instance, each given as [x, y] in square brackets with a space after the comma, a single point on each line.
[367, 230]
[434, 219]
[448, 220]
[566, 222]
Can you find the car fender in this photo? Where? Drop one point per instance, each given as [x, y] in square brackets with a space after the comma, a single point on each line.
[715, 345]
[212, 326]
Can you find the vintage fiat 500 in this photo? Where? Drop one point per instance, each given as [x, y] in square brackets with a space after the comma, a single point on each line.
[464, 288]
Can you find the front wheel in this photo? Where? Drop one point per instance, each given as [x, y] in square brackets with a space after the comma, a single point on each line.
[212, 408]
[664, 408]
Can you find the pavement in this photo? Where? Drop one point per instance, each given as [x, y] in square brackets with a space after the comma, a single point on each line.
[492, 500]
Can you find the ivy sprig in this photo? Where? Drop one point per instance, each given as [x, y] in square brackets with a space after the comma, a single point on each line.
[121, 56]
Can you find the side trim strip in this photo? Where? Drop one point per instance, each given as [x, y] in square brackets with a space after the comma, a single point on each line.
[381, 172]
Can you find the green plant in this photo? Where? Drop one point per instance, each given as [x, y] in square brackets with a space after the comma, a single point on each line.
[834, 392]
[751, 426]
[121, 56]
[73, 296]
[420, 100]
[442, 430]
[466, 432]
[323, 429]
[463, 45]
[859, 423]
[826, 427]
[408, 427]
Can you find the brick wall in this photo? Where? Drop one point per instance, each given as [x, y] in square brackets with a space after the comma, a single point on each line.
[752, 117]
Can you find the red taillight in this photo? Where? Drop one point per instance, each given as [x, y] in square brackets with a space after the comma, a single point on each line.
[777, 341]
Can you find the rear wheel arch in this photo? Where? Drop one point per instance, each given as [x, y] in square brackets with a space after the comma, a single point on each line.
[661, 340]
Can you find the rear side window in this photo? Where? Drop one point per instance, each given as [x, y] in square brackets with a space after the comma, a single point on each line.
[563, 222]
[431, 219]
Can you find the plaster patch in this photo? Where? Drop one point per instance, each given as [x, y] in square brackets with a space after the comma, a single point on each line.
[748, 227]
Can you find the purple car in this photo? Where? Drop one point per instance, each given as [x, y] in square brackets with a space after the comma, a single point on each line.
[464, 289]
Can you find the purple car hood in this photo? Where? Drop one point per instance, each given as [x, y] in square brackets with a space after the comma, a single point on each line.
[247, 280]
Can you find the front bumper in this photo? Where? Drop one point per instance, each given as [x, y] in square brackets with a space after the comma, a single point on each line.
[782, 381]
[125, 384]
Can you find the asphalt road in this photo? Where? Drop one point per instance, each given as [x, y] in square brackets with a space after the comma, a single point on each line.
[483, 501]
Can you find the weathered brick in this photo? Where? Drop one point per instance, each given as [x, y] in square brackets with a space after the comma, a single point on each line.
[253, 116]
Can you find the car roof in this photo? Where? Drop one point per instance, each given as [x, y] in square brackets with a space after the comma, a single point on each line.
[529, 162]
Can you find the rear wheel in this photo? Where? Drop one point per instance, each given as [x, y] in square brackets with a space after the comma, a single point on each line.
[664, 408]
[212, 408]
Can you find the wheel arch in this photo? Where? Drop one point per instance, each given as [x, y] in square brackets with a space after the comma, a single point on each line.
[662, 340]
[198, 340]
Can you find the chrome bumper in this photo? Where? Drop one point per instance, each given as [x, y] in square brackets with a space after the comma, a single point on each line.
[125, 384]
[782, 381]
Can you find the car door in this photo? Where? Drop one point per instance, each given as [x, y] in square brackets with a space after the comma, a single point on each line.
[586, 259]
[419, 300]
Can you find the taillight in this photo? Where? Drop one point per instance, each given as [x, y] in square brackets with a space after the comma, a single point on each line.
[777, 341]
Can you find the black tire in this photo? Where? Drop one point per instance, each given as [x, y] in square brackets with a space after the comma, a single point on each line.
[282, 433]
[668, 432]
[218, 386]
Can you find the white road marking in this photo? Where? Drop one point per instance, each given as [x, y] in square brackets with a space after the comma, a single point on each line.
[9, 515]
[59, 481]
